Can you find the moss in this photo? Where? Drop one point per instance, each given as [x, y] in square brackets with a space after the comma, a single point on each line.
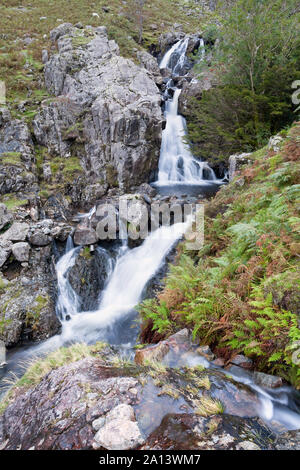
[86, 253]
[33, 313]
[11, 158]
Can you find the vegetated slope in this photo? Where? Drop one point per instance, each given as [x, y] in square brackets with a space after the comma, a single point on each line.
[25, 26]
[240, 293]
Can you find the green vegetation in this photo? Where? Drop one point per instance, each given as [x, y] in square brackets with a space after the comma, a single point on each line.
[255, 64]
[69, 167]
[240, 292]
[33, 313]
[12, 202]
[207, 406]
[11, 158]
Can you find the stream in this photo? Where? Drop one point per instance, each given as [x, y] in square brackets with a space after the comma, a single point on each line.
[129, 271]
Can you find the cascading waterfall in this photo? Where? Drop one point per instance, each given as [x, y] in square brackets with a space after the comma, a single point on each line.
[177, 164]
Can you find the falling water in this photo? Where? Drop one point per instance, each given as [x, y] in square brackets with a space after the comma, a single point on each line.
[177, 164]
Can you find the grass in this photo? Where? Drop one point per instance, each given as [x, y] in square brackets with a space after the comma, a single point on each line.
[207, 406]
[12, 202]
[39, 368]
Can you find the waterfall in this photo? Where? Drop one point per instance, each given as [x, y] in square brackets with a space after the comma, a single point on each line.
[67, 299]
[132, 271]
[177, 164]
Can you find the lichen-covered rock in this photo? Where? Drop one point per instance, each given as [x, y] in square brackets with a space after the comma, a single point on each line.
[27, 302]
[236, 162]
[120, 432]
[21, 251]
[16, 233]
[96, 403]
[6, 217]
[107, 111]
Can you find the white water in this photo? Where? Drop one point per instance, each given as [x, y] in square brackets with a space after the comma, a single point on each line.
[177, 164]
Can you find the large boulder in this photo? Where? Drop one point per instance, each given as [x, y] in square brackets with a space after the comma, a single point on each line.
[107, 111]
[96, 403]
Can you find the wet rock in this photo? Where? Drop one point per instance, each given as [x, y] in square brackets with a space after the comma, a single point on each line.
[219, 362]
[152, 353]
[5, 216]
[266, 380]
[21, 251]
[206, 352]
[17, 232]
[242, 361]
[121, 431]
[288, 441]
[193, 88]
[88, 276]
[192, 432]
[84, 236]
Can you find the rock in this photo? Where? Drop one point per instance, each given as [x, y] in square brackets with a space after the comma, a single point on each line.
[5, 216]
[16, 156]
[4, 255]
[206, 352]
[28, 302]
[236, 162]
[17, 232]
[39, 238]
[121, 431]
[222, 432]
[117, 137]
[21, 251]
[242, 361]
[96, 404]
[194, 88]
[45, 56]
[288, 441]
[247, 445]
[150, 63]
[151, 353]
[219, 362]
[275, 143]
[84, 236]
[2, 353]
[88, 276]
[266, 380]
[98, 423]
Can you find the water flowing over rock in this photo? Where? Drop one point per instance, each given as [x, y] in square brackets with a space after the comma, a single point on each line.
[96, 404]
[107, 111]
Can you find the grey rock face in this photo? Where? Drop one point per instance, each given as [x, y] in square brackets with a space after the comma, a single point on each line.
[39, 238]
[236, 162]
[27, 302]
[21, 251]
[85, 236]
[17, 232]
[107, 111]
[5, 216]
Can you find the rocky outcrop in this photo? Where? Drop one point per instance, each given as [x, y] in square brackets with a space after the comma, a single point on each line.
[95, 403]
[236, 162]
[89, 275]
[193, 88]
[16, 155]
[107, 112]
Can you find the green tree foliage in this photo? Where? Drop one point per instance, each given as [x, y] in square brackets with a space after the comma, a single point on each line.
[256, 62]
